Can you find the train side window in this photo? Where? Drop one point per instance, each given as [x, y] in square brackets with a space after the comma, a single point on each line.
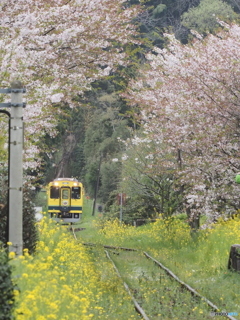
[76, 192]
[54, 192]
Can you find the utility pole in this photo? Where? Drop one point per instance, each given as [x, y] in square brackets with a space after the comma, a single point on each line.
[15, 218]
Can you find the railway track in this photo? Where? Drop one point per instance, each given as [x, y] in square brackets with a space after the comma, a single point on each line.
[156, 292]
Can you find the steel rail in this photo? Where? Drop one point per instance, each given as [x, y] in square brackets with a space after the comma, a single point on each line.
[72, 229]
[138, 308]
[168, 271]
[108, 247]
[194, 292]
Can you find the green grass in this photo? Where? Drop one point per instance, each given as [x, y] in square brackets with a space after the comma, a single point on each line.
[62, 264]
[160, 295]
[199, 260]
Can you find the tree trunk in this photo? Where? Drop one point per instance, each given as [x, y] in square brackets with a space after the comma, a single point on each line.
[68, 147]
[193, 219]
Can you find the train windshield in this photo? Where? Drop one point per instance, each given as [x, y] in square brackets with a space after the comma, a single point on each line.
[54, 192]
[76, 191]
[65, 193]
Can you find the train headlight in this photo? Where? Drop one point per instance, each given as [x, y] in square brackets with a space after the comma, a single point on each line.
[75, 184]
[76, 215]
[56, 183]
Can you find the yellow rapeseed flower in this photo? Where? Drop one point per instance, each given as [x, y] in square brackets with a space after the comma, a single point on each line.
[12, 255]
[15, 292]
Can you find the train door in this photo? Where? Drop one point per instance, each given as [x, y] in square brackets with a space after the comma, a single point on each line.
[65, 198]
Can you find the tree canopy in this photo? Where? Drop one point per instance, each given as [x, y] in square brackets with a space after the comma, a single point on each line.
[77, 57]
[203, 18]
[57, 48]
[189, 100]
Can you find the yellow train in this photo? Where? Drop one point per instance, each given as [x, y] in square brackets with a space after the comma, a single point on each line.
[65, 199]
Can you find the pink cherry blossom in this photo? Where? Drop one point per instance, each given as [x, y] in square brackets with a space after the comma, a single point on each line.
[189, 99]
[57, 48]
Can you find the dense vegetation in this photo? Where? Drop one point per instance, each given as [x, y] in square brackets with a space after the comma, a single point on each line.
[80, 128]
[6, 286]
[133, 98]
[30, 233]
[91, 140]
[82, 283]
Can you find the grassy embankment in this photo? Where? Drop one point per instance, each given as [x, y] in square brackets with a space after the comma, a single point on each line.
[200, 260]
[66, 280]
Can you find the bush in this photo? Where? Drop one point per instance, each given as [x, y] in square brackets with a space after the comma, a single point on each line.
[6, 287]
[3, 205]
[30, 235]
[3, 223]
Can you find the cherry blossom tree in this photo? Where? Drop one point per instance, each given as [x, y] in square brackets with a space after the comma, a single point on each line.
[57, 48]
[149, 179]
[189, 101]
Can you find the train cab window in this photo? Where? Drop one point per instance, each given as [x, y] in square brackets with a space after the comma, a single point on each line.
[65, 193]
[54, 192]
[76, 191]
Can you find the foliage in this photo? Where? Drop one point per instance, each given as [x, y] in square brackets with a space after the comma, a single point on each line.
[157, 291]
[110, 177]
[64, 280]
[234, 4]
[59, 60]
[189, 97]
[66, 158]
[89, 283]
[3, 155]
[88, 135]
[106, 105]
[6, 287]
[57, 49]
[200, 259]
[3, 224]
[3, 204]
[148, 180]
[158, 16]
[30, 234]
[204, 17]
[109, 124]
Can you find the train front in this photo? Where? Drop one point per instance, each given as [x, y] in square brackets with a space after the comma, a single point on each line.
[65, 200]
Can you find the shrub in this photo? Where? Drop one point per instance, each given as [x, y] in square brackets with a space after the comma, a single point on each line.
[6, 287]
[29, 228]
[30, 233]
